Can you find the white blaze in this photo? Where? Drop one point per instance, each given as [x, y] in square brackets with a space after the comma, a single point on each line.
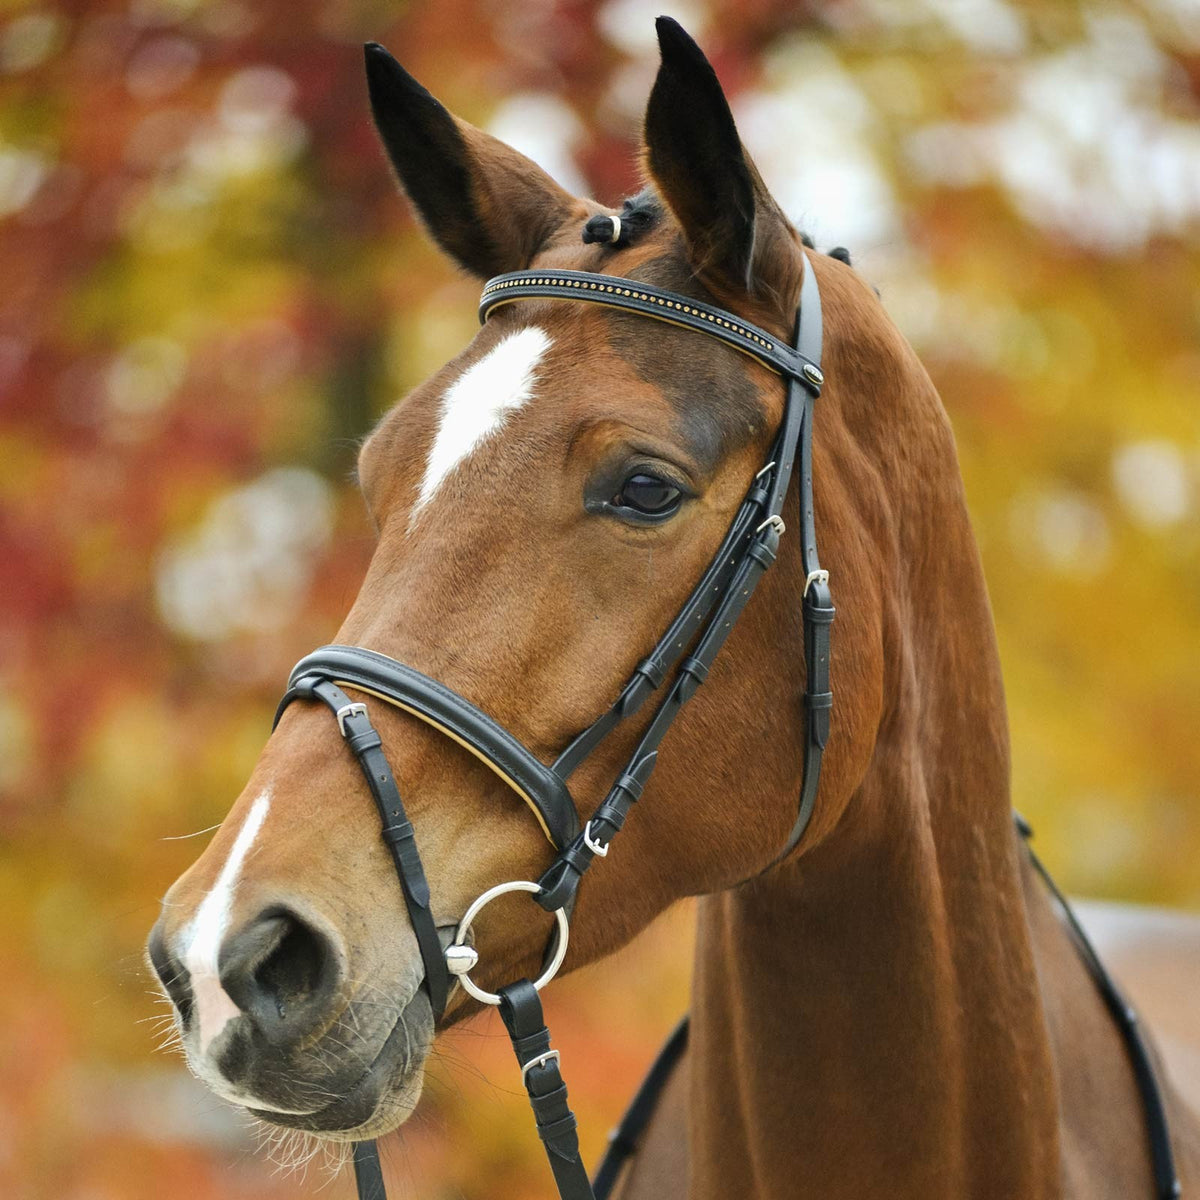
[478, 401]
[214, 1008]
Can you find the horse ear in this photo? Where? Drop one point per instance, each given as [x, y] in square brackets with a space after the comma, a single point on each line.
[737, 236]
[489, 207]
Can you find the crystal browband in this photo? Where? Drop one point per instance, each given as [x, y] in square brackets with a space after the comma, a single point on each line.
[617, 292]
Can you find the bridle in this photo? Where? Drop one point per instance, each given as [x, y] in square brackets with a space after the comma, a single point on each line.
[687, 650]
[684, 654]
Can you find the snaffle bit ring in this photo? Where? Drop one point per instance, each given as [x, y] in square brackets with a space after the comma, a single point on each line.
[461, 957]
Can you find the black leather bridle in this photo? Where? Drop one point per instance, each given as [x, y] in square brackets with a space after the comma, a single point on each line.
[682, 655]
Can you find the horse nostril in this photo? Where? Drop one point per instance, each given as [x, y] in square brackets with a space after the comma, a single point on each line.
[281, 971]
[170, 971]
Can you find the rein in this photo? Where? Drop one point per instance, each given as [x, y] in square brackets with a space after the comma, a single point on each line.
[703, 623]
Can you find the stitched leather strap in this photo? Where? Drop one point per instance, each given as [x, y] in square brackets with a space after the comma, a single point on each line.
[624, 1139]
[398, 834]
[818, 704]
[817, 601]
[360, 735]
[521, 1011]
[403, 686]
[661, 661]
[368, 1174]
[735, 573]
[1162, 1158]
[614, 291]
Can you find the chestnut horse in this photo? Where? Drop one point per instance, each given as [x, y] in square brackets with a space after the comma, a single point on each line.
[895, 1009]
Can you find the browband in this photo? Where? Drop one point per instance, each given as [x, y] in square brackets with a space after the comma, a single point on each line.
[618, 292]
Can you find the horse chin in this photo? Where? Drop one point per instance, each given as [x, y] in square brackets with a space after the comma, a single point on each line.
[383, 1097]
[381, 1113]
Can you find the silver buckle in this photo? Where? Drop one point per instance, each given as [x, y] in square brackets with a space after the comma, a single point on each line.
[347, 711]
[600, 851]
[765, 469]
[814, 577]
[776, 523]
[541, 1060]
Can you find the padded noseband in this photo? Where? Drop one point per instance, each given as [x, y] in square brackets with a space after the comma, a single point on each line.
[453, 715]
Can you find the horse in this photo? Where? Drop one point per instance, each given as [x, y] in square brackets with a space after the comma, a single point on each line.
[893, 1007]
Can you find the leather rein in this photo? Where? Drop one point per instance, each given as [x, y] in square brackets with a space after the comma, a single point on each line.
[683, 655]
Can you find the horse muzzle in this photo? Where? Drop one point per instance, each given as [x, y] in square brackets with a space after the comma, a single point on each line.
[280, 1028]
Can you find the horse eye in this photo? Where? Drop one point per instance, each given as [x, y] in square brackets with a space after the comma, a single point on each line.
[649, 495]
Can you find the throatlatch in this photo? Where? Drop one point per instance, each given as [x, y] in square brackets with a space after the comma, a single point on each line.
[686, 650]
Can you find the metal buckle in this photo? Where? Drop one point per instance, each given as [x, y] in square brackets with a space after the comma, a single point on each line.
[600, 851]
[814, 577]
[456, 951]
[776, 523]
[539, 1061]
[349, 710]
[765, 469]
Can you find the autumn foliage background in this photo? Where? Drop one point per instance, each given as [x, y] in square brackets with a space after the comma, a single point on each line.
[209, 289]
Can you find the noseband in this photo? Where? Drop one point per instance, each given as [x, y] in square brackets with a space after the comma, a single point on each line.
[683, 654]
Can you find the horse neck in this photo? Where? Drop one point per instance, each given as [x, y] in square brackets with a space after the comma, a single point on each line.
[866, 1018]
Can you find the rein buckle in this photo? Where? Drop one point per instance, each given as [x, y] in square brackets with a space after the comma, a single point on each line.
[539, 1060]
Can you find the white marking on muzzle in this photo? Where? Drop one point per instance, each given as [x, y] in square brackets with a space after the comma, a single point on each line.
[477, 403]
[214, 1008]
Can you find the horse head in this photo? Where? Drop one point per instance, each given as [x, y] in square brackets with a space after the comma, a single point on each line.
[544, 504]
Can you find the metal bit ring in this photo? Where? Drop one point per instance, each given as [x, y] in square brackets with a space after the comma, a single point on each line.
[455, 958]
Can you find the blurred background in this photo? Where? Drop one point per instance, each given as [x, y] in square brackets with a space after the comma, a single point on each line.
[209, 289]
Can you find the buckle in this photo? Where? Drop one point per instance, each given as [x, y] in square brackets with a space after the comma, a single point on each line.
[347, 711]
[598, 849]
[776, 523]
[814, 577]
[539, 1061]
